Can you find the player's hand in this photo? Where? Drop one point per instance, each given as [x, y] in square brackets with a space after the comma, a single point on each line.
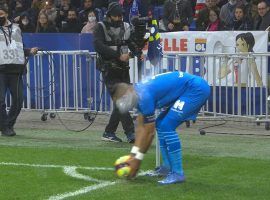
[134, 165]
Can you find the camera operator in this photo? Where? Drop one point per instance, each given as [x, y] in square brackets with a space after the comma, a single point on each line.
[112, 39]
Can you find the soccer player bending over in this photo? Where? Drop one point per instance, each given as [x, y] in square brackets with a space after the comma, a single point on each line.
[180, 97]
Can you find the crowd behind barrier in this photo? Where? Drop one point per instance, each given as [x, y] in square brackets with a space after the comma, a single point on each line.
[67, 16]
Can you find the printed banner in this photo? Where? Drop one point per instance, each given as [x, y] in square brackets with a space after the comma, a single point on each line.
[221, 70]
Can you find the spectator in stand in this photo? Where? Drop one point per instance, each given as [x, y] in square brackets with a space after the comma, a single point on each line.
[227, 13]
[253, 9]
[177, 15]
[101, 4]
[241, 21]
[220, 3]
[17, 7]
[143, 8]
[4, 3]
[203, 15]
[214, 22]
[83, 13]
[25, 24]
[126, 4]
[50, 10]
[62, 14]
[76, 3]
[263, 20]
[73, 25]
[92, 21]
[33, 12]
[44, 25]
[201, 4]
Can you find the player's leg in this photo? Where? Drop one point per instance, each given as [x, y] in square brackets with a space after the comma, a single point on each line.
[165, 166]
[161, 137]
[167, 127]
[186, 107]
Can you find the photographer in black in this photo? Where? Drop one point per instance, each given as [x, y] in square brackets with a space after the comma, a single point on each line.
[112, 39]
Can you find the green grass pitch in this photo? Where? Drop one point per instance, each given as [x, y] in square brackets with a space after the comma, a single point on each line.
[57, 164]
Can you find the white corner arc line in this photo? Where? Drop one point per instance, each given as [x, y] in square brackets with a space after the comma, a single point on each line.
[71, 171]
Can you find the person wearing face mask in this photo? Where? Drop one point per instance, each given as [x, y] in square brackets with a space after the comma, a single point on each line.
[92, 21]
[112, 39]
[25, 24]
[72, 25]
[12, 67]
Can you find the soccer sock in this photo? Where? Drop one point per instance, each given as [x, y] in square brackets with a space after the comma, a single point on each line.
[174, 151]
[163, 150]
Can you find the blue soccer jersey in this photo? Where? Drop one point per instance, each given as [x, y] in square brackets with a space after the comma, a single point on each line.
[164, 90]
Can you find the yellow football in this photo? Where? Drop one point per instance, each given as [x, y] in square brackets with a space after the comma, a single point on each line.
[122, 169]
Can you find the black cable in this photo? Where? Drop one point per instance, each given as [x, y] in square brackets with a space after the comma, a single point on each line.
[232, 133]
[52, 82]
[91, 120]
[203, 132]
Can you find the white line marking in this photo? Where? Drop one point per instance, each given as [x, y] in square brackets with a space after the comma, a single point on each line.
[81, 191]
[55, 166]
[71, 171]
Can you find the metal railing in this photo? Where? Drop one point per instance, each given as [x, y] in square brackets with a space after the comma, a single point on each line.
[67, 81]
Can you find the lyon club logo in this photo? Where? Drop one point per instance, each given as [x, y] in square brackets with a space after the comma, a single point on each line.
[200, 44]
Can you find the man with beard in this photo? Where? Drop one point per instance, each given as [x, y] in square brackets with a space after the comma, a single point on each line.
[72, 25]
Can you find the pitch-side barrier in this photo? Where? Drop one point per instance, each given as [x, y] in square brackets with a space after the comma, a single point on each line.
[67, 81]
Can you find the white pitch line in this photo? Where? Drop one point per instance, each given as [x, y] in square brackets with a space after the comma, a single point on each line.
[81, 191]
[55, 166]
[71, 171]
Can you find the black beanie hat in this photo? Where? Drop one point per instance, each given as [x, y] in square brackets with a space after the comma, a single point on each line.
[115, 9]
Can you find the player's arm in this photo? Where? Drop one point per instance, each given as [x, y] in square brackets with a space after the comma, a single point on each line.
[144, 134]
[144, 137]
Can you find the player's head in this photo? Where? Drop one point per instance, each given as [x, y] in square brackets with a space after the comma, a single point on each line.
[124, 97]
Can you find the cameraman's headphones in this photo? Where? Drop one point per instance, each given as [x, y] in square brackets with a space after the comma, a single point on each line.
[111, 6]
